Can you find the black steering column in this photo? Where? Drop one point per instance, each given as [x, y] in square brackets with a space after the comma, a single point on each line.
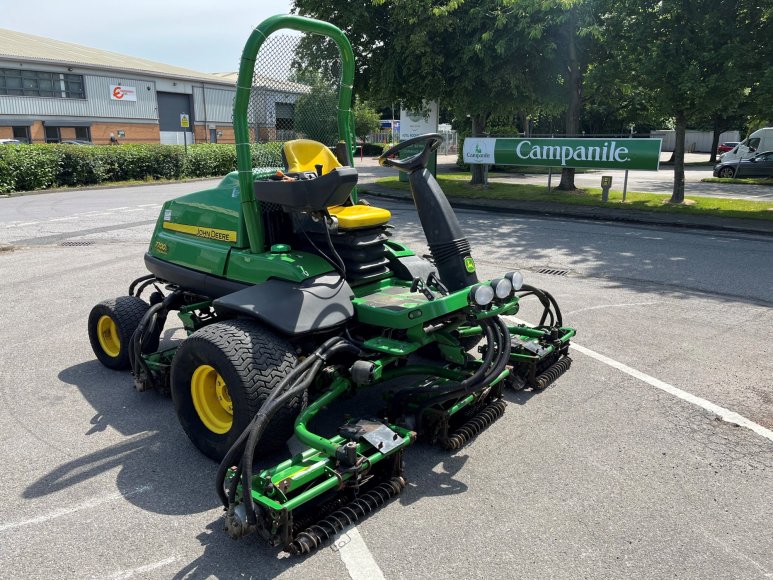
[448, 246]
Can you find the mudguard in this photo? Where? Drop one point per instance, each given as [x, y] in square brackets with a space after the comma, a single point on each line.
[294, 308]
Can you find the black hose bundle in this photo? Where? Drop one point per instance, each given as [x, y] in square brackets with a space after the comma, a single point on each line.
[495, 361]
[292, 385]
[549, 305]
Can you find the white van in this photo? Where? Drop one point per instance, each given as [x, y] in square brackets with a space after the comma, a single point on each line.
[758, 142]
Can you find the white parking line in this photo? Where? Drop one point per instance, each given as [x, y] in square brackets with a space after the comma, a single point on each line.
[356, 557]
[724, 414]
[78, 507]
[123, 574]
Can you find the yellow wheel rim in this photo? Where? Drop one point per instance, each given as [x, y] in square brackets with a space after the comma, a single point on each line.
[109, 340]
[211, 399]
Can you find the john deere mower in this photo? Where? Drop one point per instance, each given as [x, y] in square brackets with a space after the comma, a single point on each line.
[294, 294]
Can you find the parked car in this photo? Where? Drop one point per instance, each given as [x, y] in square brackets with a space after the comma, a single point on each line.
[725, 147]
[76, 142]
[761, 165]
[10, 142]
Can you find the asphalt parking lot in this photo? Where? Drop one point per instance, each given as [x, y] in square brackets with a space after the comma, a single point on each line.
[652, 457]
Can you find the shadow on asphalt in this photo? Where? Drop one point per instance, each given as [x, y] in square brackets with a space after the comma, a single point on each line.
[643, 259]
[160, 471]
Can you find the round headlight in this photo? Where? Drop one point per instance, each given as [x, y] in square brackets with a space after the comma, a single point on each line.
[502, 287]
[482, 294]
[516, 278]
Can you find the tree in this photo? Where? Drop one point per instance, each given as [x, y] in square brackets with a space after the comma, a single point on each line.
[316, 112]
[578, 30]
[475, 57]
[366, 119]
[679, 53]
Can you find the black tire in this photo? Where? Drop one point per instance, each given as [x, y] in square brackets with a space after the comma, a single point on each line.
[252, 361]
[125, 312]
[727, 172]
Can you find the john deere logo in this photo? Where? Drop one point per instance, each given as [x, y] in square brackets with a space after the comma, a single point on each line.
[469, 264]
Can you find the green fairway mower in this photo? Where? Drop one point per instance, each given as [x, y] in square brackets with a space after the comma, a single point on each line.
[294, 295]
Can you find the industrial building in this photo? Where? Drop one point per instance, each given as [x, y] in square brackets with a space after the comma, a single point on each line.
[53, 91]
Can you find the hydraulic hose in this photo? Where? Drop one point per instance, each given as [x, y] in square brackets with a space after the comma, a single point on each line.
[502, 345]
[238, 446]
[546, 302]
[474, 378]
[267, 412]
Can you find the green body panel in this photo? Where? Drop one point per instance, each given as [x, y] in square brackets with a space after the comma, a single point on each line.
[391, 304]
[219, 209]
[398, 250]
[244, 266]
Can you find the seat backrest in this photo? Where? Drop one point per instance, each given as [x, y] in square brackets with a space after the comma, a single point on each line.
[304, 154]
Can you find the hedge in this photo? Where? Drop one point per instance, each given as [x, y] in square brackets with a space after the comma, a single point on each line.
[29, 167]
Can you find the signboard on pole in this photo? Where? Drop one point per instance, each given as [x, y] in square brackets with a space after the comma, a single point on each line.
[185, 120]
[643, 154]
[123, 93]
[415, 123]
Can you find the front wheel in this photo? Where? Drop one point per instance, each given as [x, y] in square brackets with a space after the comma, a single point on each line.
[221, 374]
[726, 172]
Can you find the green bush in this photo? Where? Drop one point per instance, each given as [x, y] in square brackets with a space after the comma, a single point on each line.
[372, 149]
[208, 160]
[267, 154]
[79, 166]
[29, 167]
[7, 183]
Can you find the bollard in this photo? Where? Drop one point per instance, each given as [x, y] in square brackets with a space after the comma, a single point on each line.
[606, 183]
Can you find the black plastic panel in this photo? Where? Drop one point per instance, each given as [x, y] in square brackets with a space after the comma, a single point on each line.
[293, 308]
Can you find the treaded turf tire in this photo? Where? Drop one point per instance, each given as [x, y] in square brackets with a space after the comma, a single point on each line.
[252, 361]
[125, 313]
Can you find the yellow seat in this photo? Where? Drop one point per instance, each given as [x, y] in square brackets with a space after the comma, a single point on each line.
[303, 154]
[353, 217]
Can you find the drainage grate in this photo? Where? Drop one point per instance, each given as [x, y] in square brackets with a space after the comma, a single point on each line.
[81, 243]
[552, 271]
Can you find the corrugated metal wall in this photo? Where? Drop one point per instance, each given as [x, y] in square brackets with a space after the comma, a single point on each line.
[694, 141]
[96, 104]
[220, 104]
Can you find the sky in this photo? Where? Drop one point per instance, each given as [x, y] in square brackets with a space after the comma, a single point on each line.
[203, 35]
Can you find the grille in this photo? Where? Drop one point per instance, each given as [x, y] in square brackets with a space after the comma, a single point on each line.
[552, 271]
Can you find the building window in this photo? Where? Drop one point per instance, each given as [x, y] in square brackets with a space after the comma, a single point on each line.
[82, 134]
[52, 134]
[31, 83]
[22, 134]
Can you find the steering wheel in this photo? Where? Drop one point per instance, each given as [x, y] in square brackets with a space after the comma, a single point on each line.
[414, 162]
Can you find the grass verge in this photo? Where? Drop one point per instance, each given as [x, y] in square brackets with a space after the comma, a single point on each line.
[746, 180]
[455, 186]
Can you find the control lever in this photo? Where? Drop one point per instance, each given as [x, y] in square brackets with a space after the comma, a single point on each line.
[419, 286]
[434, 280]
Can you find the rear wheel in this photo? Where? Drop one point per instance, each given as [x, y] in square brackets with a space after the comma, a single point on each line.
[221, 374]
[111, 325]
[726, 172]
